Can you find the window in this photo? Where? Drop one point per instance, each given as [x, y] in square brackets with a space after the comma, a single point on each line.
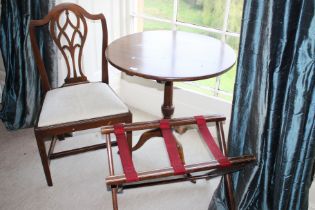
[220, 19]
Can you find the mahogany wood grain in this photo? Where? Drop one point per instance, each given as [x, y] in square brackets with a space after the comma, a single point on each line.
[171, 55]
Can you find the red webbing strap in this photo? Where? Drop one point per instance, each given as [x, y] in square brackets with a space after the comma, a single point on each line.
[207, 137]
[125, 155]
[171, 147]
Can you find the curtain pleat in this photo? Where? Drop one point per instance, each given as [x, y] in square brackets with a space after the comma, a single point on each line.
[274, 106]
[21, 96]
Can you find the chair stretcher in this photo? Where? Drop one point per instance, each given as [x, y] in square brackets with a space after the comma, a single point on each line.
[179, 171]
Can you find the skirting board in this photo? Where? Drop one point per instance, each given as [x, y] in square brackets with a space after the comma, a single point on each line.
[150, 98]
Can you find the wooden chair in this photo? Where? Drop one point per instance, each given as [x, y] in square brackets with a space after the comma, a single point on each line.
[179, 171]
[78, 104]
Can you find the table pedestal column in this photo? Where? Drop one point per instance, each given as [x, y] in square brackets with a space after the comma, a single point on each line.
[167, 111]
[167, 107]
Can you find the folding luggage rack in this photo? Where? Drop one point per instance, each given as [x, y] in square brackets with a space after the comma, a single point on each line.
[179, 171]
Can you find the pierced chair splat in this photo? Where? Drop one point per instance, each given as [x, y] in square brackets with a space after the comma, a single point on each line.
[78, 104]
[179, 171]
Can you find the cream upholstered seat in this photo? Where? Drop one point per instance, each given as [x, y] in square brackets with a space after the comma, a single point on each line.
[79, 102]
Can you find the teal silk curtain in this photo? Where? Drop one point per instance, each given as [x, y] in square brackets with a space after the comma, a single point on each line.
[274, 106]
[21, 96]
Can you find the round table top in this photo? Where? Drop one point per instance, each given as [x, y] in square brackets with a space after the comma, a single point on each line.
[170, 55]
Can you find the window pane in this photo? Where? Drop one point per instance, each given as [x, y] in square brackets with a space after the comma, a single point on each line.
[156, 25]
[225, 97]
[233, 42]
[149, 25]
[206, 90]
[235, 16]
[202, 12]
[156, 8]
[228, 79]
[199, 31]
[207, 83]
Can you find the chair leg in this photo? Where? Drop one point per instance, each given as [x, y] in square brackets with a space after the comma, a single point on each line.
[44, 158]
[114, 198]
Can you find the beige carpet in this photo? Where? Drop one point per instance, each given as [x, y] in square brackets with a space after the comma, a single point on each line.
[79, 181]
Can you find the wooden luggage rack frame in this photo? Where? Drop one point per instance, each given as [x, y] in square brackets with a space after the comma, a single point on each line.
[131, 179]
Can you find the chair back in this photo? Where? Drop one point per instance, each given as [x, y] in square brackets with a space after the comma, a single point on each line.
[68, 28]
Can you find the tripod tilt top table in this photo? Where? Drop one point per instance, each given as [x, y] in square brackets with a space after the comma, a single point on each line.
[169, 56]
